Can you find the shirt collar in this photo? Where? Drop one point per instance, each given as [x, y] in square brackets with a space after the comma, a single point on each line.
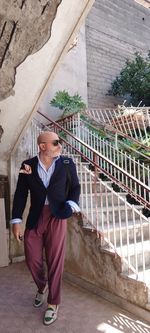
[43, 166]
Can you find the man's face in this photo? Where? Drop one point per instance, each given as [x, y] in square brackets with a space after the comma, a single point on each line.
[50, 145]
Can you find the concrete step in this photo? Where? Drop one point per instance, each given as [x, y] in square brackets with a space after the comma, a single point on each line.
[118, 213]
[121, 234]
[83, 164]
[102, 199]
[142, 275]
[97, 186]
[135, 254]
[123, 225]
[127, 234]
[85, 177]
[138, 250]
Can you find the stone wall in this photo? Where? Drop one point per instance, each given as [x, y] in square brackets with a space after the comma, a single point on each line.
[99, 269]
[25, 26]
[115, 30]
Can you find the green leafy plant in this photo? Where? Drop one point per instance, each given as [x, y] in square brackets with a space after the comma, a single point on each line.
[134, 80]
[70, 104]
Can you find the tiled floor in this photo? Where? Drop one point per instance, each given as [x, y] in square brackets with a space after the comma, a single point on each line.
[80, 311]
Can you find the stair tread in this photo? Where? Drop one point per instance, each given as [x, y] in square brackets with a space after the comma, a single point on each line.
[142, 275]
[104, 194]
[117, 225]
[146, 246]
[109, 208]
[97, 182]
[123, 225]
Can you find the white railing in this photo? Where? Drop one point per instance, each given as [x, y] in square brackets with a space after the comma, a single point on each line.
[35, 129]
[116, 158]
[131, 121]
[75, 122]
[123, 228]
[137, 188]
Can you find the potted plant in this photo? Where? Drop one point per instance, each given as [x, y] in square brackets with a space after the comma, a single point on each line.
[69, 104]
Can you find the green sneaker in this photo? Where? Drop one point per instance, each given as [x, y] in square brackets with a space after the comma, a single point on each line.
[50, 315]
[39, 299]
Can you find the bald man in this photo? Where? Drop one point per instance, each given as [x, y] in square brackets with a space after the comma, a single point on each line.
[45, 178]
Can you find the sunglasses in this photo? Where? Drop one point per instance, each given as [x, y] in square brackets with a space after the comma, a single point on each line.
[54, 142]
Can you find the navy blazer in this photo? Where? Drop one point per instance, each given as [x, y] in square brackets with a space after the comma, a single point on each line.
[56, 192]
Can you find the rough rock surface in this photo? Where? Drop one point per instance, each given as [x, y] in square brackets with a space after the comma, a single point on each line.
[25, 26]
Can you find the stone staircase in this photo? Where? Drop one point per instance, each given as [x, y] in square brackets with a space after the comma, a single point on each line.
[122, 226]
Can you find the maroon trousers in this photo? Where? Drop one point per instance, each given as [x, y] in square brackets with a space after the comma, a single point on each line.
[50, 233]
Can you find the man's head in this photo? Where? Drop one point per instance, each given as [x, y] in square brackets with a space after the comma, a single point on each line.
[49, 144]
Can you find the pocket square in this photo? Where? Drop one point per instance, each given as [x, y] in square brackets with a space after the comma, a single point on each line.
[27, 169]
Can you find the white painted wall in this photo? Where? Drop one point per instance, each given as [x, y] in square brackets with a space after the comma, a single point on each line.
[34, 73]
[71, 76]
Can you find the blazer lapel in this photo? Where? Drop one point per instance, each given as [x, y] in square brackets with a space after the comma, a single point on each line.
[35, 171]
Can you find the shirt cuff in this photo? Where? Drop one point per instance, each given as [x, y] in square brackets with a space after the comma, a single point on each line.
[74, 206]
[13, 221]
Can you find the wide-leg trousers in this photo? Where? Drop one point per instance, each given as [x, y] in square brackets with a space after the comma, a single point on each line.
[50, 233]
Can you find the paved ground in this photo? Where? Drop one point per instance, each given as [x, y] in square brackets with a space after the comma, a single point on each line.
[80, 312]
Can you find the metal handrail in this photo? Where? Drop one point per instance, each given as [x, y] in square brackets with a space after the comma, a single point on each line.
[95, 158]
[69, 116]
[132, 165]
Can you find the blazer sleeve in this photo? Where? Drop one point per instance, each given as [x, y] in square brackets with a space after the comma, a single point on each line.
[74, 191]
[20, 196]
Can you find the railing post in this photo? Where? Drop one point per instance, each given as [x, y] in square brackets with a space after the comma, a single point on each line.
[95, 159]
[116, 141]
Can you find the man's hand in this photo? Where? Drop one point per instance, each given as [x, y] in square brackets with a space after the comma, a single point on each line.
[17, 231]
[77, 214]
